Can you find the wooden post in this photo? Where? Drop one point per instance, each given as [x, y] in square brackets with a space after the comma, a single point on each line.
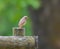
[18, 40]
[18, 32]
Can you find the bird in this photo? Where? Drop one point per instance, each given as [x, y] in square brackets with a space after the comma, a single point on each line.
[22, 21]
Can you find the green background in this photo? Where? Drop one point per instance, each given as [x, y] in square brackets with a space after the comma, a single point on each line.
[11, 11]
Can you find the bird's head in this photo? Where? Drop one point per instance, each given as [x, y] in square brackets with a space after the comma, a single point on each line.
[26, 17]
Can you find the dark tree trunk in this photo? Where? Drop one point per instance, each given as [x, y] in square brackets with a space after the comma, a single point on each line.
[45, 19]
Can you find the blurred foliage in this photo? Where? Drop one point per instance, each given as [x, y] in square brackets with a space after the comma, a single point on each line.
[11, 11]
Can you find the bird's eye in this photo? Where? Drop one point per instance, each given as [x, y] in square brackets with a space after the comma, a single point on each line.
[25, 17]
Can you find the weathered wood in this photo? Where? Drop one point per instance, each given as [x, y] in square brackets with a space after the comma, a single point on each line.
[18, 32]
[17, 42]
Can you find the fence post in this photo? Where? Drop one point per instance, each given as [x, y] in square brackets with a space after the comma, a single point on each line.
[18, 31]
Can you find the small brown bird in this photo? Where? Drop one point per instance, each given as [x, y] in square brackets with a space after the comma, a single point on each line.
[22, 21]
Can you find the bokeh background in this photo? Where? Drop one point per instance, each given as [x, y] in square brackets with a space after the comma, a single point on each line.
[11, 11]
[44, 20]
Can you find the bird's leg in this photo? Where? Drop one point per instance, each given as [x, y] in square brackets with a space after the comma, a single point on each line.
[20, 26]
